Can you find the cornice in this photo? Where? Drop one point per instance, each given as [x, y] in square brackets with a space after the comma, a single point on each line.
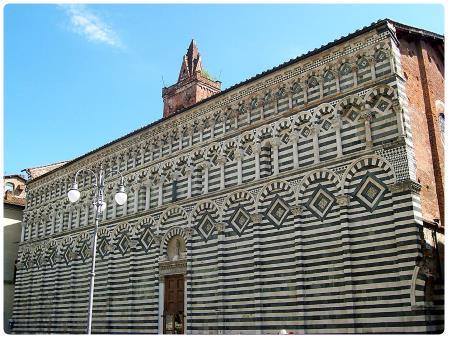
[222, 100]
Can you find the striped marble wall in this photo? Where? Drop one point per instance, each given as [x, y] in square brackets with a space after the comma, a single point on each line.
[298, 211]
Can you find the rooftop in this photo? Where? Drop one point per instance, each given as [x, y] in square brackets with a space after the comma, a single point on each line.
[424, 34]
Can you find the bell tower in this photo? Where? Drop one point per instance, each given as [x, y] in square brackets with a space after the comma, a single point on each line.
[194, 84]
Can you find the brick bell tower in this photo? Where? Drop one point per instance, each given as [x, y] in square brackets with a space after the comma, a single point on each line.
[194, 84]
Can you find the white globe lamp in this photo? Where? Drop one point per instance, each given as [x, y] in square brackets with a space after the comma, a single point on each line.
[121, 196]
[74, 193]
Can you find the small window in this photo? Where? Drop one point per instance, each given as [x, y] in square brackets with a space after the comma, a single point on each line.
[442, 122]
[9, 186]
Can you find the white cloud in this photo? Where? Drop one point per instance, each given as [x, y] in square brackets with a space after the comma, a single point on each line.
[91, 26]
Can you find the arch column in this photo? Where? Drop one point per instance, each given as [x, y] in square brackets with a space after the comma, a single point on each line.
[52, 229]
[256, 148]
[371, 61]
[189, 183]
[296, 211]
[160, 191]
[222, 160]
[220, 227]
[86, 218]
[136, 198]
[315, 136]
[336, 123]
[275, 143]
[257, 220]
[400, 123]
[294, 139]
[147, 195]
[69, 219]
[368, 116]
[206, 165]
[343, 201]
[238, 156]
[212, 124]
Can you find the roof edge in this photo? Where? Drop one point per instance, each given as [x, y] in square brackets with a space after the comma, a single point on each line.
[342, 39]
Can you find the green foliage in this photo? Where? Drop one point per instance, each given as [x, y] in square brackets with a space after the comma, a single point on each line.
[207, 75]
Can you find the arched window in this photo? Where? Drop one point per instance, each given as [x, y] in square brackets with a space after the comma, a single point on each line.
[9, 186]
[176, 248]
[442, 123]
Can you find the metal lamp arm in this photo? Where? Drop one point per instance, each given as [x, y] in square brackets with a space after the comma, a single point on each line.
[86, 170]
[114, 173]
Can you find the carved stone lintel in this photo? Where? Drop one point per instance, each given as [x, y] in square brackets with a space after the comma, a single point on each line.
[238, 153]
[367, 115]
[256, 148]
[157, 239]
[256, 218]
[336, 122]
[297, 210]
[220, 227]
[221, 160]
[407, 185]
[315, 129]
[343, 199]
[188, 232]
[293, 137]
[275, 142]
[171, 268]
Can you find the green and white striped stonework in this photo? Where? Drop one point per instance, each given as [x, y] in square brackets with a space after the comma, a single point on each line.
[295, 196]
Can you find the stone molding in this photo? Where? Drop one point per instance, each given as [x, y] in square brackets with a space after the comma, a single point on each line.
[271, 81]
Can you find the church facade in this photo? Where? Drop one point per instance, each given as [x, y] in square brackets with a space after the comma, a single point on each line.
[289, 201]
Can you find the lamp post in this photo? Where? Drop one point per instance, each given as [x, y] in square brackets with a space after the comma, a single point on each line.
[100, 207]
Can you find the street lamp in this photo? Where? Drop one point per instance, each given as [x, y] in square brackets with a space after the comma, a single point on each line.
[100, 206]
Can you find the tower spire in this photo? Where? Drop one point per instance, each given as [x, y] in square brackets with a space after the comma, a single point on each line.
[192, 62]
[193, 85]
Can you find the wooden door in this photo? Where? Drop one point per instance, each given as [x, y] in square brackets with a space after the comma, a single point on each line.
[174, 304]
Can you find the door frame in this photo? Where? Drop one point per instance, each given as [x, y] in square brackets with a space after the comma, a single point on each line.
[161, 293]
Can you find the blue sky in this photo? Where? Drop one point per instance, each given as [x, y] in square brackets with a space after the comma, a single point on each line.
[77, 77]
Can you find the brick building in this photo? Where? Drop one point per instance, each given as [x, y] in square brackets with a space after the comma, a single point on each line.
[308, 198]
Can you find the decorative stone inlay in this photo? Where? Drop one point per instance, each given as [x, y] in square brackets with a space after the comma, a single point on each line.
[345, 69]
[297, 210]
[382, 105]
[370, 191]
[103, 247]
[407, 185]
[146, 240]
[240, 220]
[123, 244]
[305, 132]
[85, 251]
[187, 232]
[52, 256]
[38, 258]
[320, 202]
[256, 218]
[205, 227]
[277, 212]
[352, 115]
[326, 125]
[343, 199]
[67, 255]
[220, 227]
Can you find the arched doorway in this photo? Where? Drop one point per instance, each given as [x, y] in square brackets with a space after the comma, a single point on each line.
[172, 271]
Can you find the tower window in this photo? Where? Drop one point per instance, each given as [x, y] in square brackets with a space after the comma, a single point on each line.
[9, 187]
[442, 122]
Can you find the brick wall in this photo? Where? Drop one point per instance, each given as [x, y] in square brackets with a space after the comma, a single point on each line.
[423, 68]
